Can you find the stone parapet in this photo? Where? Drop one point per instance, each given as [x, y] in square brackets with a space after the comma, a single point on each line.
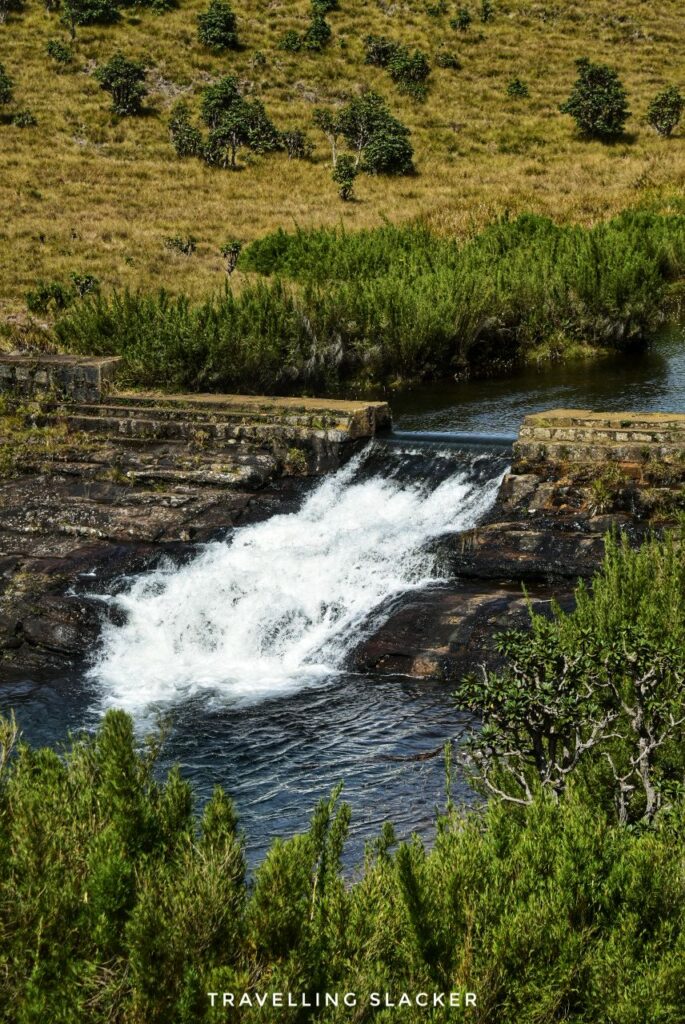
[75, 378]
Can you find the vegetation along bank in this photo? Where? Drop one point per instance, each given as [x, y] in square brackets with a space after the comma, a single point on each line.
[561, 898]
[333, 309]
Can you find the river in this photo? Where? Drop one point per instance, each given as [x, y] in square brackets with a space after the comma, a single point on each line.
[243, 648]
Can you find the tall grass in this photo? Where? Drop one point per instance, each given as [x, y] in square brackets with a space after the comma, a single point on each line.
[395, 304]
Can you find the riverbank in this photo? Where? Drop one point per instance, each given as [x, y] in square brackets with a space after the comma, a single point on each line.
[335, 312]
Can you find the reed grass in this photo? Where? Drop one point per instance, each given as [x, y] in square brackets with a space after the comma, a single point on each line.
[393, 305]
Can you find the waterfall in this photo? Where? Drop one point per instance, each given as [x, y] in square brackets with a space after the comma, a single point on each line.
[280, 604]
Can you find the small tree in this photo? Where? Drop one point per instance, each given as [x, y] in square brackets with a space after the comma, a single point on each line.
[372, 132]
[7, 7]
[462, 20]
[88, 12]
[59, 51]
[6, 86]
[487, 11]
[185, 137]
[318, 34]
[598, 101]
[296, 144]
[234, 122]
[329, 124]
[344, 174]
[410, 72]
[123, 79]
[230, 252]
[217, 27]
[665, 111]
[379, 50]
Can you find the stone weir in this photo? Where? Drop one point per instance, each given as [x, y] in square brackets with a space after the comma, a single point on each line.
[96, 482]
[575, 475]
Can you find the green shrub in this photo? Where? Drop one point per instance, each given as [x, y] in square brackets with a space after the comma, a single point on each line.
[487, 11]
[379, 140]
[88, 12]
[48, 296]
[24, 119]
[598, 101]
[296, 144]
[183, 244]
[120, 902]
[185, 137]
[233, 123]
[6, 87]
[344, 175]
[393, 304]
[447, 59]
[8, 7]
[410, 72]
[59, 51]
[217, 27]
[517, 88]
[379, 50]
[290, 41]
[462, 20]
[124, 80]
[665, 110]
[318, 34]
[231, 253]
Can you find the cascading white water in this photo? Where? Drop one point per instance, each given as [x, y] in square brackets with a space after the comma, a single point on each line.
[280, 604]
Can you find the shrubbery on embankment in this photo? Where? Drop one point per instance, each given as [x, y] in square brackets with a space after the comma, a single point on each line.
[119, 904]
[394, 304]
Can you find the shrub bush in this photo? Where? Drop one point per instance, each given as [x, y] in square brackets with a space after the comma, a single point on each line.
[598, 101]
[462, 20]
[344, 175]
[217, 27]
[665, 111]
[380, 141]
[24, 119]
[410, 72]
[231, 253]
[6, 87]
[124, 80]
[186, 245]
[234, 122]
[290, 41]
[59, 51]
[185, 137]
[318, 34]
[88, 12]
[379, 50]
[393, 304]
[296, 144]
[447, 59]
[120, 902]
[517, 88]
[487, 11]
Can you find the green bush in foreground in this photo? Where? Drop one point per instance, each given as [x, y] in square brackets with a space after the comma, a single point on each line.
[393, 304]
[118, 903]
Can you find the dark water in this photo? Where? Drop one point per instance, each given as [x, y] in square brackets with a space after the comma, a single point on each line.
[652, 381]
[278, 756]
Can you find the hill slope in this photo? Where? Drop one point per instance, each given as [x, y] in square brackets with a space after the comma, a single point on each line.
[87, 191]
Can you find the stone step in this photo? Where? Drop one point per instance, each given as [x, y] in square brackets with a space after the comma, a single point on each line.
[585, 418]
[209, 413]
[601, 434]
[356, 418]
[598, 451]
[196, 431]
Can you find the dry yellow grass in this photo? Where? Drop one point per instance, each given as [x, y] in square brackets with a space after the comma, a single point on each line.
[84, 192]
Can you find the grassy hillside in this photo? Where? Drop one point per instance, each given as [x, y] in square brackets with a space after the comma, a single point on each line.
[88, 191]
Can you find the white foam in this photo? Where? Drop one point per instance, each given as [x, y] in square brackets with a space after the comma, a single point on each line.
[280, 604]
